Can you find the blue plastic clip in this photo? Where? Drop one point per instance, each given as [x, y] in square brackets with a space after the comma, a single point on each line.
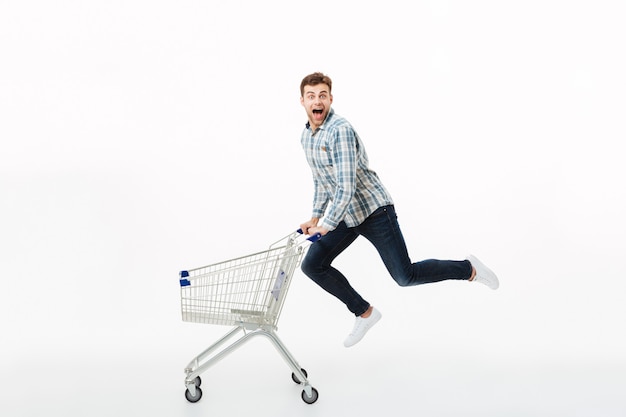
[314, 238]
[183, 281]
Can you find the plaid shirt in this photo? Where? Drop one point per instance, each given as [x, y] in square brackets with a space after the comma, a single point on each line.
[341, 175]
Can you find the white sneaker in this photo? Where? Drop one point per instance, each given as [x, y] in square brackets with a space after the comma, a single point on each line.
[361, 326]
[484, 275]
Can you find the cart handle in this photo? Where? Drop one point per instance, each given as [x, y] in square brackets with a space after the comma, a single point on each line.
[312, 238]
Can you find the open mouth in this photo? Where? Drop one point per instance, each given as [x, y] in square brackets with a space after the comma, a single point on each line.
[318, 114]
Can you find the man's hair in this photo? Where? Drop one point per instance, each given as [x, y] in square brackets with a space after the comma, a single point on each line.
[315, 79]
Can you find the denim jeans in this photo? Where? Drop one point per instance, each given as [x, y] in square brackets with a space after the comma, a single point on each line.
[382, 230]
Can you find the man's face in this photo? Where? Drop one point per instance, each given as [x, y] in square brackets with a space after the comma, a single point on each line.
[316, 101]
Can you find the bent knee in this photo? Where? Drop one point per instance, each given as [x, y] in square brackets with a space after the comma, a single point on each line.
[402, 280]
[309, 268]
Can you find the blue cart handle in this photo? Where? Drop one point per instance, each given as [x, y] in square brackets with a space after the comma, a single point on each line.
[313, 238]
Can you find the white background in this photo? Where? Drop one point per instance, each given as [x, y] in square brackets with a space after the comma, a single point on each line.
[140, 138]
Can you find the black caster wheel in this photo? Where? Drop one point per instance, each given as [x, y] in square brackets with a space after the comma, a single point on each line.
[314, 396]
[197, 381]
[295, 378]
[193, 398]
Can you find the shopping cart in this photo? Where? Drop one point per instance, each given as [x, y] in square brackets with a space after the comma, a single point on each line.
[248, 293]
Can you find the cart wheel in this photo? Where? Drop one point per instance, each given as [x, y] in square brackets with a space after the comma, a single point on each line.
[314, 396]
[295, 378]
[197, 382]
[193, 398]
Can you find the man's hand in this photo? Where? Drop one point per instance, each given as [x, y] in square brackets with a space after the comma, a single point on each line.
[310, 228]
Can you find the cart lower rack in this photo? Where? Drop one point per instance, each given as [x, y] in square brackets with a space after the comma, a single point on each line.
[247, 293]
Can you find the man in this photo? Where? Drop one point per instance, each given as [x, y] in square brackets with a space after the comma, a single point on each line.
[350, 201]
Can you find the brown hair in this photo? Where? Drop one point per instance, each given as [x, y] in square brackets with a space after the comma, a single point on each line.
[315, 79]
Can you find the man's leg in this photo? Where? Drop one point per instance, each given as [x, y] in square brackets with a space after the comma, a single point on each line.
[317, 266]
[382, 229]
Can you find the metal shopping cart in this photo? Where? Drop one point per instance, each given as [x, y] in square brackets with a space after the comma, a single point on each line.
[248, 293]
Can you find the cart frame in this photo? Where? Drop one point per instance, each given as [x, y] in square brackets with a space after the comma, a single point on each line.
[248, 293]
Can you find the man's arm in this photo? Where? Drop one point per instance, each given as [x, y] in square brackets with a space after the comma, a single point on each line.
[344, 159]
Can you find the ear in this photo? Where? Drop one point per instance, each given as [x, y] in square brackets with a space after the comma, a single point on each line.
[331, 98]
[302, 101]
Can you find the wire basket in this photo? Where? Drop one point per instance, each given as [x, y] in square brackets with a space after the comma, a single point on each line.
[249, 290]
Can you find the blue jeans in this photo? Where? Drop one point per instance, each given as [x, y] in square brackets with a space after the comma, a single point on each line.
[382, 230]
